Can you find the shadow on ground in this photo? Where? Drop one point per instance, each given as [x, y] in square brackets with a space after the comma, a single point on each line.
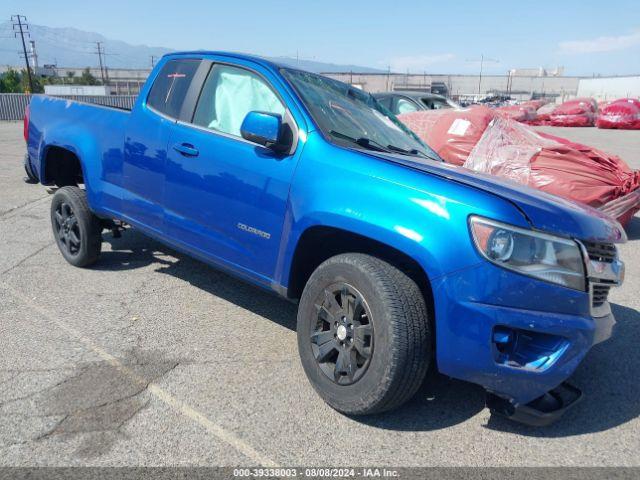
[608, 376]
[134, 250]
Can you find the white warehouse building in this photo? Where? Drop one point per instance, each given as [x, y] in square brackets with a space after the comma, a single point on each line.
[609, 88]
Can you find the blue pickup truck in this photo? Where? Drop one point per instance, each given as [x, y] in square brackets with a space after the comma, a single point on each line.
[308, 187]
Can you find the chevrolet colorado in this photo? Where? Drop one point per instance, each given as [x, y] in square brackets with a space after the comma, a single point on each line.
[310, 188]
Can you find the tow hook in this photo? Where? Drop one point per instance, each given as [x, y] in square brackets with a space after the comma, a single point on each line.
[540, 412]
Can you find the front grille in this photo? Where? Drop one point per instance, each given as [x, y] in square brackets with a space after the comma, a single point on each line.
[600, 294]
[601, 252]
[603, 259]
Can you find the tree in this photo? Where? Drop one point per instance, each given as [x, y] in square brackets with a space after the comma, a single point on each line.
[87, 79]
[24, 83]
[13, 81]
[10, 82]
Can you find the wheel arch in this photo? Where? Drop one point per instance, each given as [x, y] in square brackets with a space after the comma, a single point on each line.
[61, 164]
[320, 242]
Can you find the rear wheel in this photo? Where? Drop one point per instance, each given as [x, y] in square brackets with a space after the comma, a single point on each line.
[77, 231]
[363, 334]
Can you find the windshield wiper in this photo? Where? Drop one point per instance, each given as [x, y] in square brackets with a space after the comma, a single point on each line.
[373, 145]
[362, 141]
[413, 152]
[404, 151]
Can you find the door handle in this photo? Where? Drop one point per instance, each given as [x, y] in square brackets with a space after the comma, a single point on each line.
[186, 149]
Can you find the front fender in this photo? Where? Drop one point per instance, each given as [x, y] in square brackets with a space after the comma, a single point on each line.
[422, 215]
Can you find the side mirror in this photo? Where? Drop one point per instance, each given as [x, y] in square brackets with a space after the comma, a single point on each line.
[265, 129]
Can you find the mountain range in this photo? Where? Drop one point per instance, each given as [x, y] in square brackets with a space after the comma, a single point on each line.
[71, 47]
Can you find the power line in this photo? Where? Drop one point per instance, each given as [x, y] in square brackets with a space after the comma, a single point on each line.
[20, 21]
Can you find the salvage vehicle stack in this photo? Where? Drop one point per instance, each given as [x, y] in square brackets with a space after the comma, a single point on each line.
[623, 113]
[489, 141]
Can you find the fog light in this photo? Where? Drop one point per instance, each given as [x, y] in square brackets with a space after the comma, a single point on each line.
[526, 349]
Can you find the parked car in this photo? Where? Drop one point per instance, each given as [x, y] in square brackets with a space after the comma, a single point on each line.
[406, 102]
[306, 187]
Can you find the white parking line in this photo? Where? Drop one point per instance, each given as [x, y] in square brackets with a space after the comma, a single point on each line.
[161, 394]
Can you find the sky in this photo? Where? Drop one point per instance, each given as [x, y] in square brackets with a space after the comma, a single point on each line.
[586, 37]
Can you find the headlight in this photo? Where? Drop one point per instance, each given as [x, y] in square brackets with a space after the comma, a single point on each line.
[553, 259]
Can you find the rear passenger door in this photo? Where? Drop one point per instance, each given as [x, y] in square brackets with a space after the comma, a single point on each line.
[146, 139]
[226, 197]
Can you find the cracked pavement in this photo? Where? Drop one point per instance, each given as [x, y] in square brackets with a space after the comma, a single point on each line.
[151, 358]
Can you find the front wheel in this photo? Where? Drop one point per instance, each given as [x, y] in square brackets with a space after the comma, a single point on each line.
[76, 229]
[363, 334]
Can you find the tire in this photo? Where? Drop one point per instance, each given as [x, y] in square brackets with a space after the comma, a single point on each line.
[77, 231]
[381, 301]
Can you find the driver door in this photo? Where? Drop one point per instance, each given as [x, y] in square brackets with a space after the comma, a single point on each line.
[225, 197]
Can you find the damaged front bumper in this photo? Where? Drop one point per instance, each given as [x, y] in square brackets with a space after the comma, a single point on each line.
[540, 412]
[521, 355]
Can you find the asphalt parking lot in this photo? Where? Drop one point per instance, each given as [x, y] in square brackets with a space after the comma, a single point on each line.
[152, 358]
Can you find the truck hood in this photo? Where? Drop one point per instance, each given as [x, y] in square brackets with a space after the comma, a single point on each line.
[543, 211]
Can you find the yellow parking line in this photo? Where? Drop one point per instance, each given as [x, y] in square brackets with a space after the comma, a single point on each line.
[161, 394]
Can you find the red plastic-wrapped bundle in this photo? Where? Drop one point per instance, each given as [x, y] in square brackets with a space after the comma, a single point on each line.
[543, 115]
[535, 104]
[451, 133]
[580, 112]
[520, 113]
[557, 166]
[623, 113]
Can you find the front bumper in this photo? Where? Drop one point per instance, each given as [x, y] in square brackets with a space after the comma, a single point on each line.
[516, 353]
[541, 412]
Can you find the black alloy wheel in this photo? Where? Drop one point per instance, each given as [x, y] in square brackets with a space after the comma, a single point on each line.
[363, 334]
[76, 229]
[342, 340]
[67, 229]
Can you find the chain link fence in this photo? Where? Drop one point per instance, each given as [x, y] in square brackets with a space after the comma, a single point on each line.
[12, 105]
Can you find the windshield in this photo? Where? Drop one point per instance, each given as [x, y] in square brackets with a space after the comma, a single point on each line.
[347, 115]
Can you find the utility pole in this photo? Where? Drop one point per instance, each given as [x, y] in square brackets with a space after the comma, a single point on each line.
[153, 61]
[100, 52]
[20, 21]
[482, 60]
[388, 77]
[480, 76]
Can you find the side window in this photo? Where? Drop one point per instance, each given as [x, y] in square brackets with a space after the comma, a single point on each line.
[405, 106]
[428, 103]
[171, 85]
[439, 104]
[228, 94]
[385, 102]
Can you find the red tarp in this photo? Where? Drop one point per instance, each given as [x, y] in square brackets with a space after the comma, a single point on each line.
[623, 113]
[520, 113]
[543, 115]
[451, 133]
[580, 112]
[535, 104]
[485, 141]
